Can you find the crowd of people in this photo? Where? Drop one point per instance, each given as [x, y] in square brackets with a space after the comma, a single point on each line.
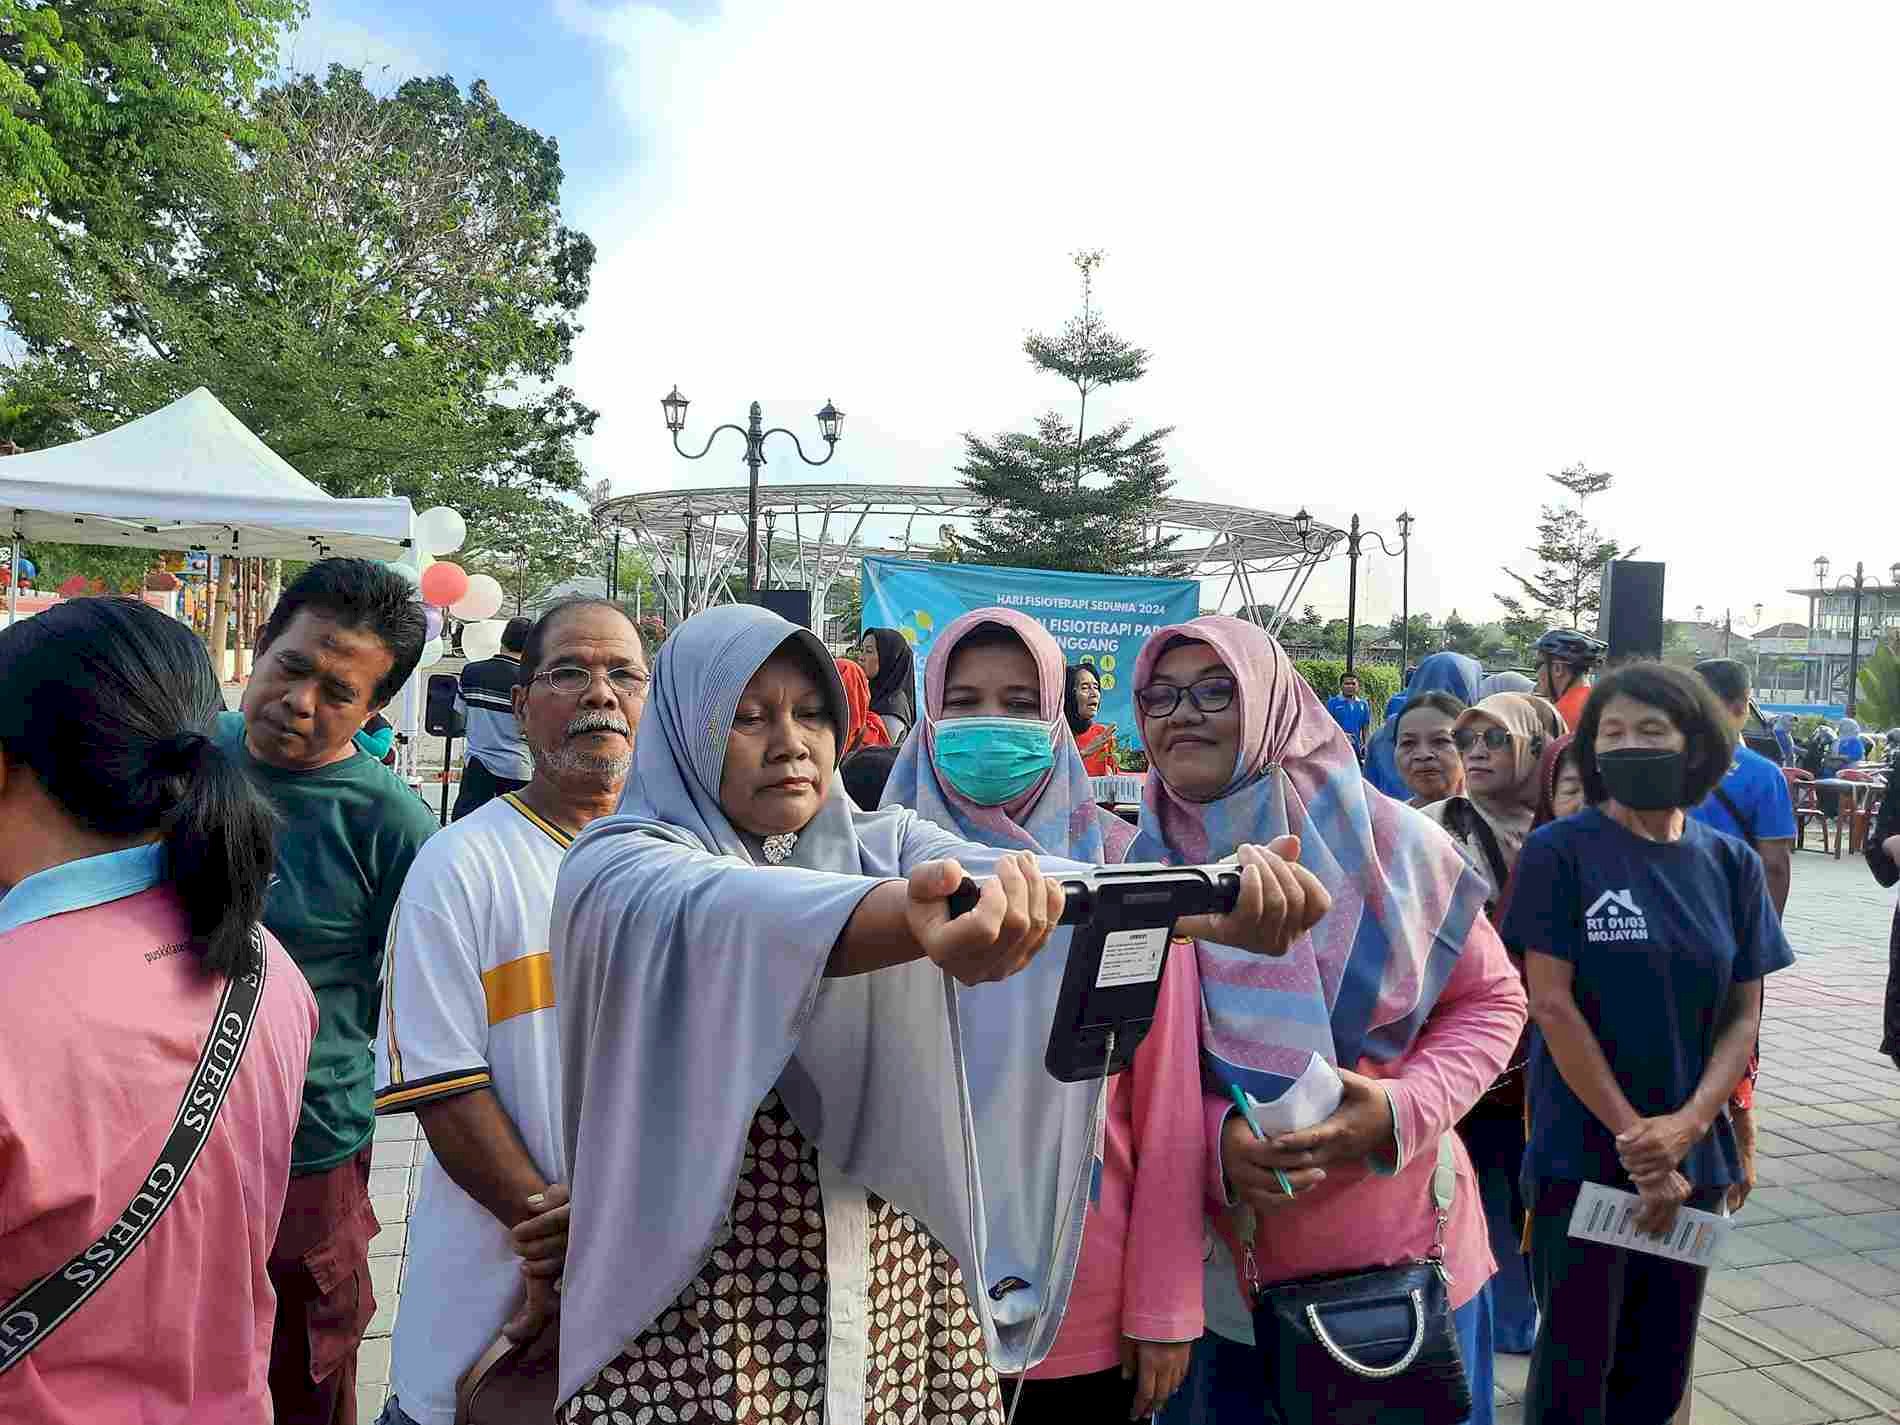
[729, 1116]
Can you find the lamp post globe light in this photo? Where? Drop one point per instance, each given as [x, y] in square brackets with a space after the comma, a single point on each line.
[1860, 584]
[1354, 537]
[830, 424]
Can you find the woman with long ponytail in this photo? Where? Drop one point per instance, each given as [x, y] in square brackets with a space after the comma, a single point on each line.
[153, 1037]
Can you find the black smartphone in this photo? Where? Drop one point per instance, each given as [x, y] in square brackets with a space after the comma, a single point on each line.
[1124, 918]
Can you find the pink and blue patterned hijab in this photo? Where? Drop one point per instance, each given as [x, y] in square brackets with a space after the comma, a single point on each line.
[1056, 817]
[1363, 982]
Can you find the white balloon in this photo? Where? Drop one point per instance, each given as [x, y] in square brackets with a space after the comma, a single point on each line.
[431, 653]
[482, 600]
[414, 576]
[440, 530]
[482, 640]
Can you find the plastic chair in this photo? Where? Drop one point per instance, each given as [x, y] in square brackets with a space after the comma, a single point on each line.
[1860, 816]
[1807, 807]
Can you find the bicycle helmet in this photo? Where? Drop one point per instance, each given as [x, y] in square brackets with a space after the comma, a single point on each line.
[1569, 646]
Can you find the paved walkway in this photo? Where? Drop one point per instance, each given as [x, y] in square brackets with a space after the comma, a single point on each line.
[1802, 1323]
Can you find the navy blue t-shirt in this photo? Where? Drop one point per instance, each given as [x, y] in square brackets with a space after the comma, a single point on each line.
[1657, 933]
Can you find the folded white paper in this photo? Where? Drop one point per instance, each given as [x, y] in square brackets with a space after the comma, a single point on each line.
[1608, 1215]
[1312, 1099]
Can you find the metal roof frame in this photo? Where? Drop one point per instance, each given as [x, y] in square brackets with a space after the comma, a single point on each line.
[696, 537]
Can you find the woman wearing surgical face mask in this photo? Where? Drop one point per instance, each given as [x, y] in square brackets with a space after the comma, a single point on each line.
[996, 764]
[1646, 937]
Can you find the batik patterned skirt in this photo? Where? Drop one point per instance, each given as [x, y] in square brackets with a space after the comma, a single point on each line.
[750, 1339]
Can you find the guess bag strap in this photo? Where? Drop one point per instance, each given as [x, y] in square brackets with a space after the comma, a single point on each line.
[38, 1311]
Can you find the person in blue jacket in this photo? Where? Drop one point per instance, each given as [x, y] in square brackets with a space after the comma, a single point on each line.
[1350, 711]
[1452, 673]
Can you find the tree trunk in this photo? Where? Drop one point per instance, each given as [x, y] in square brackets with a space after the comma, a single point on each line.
[218, 598]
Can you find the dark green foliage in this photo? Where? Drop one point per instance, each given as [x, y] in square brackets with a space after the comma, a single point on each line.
[1063, 498]
[1570, 552]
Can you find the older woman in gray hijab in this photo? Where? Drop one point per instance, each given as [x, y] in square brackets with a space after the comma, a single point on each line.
[803, 1105]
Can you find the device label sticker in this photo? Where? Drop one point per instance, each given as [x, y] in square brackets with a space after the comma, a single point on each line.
[1132, 957]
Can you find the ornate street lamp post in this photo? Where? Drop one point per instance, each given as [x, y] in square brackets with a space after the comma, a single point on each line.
[755, 434]
[1354, 537]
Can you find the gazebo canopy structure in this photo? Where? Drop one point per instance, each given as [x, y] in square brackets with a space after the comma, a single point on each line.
[813, 534]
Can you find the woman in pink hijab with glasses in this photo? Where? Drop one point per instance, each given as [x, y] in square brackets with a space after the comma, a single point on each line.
[1369, 1039]
[996, 763]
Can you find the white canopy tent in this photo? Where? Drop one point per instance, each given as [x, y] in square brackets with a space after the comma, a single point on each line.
[192, 477]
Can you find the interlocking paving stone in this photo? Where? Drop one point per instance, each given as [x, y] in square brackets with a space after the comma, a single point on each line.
[1709, 1411]
[1787, 1241]
[1861, 1273]
[390, 1241]
[1712, 1360]
[1828, 1199]
[1866, 1233]
[1755, 1398]
[1873, 1316]
[401, 1127]
[1880, 1368]
[1813, 1329]
[1753, 1289]
[386, 1180]
[372, 1362]
[1838, 1394]
[392, 1153]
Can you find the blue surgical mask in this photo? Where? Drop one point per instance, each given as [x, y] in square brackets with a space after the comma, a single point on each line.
[993, 760]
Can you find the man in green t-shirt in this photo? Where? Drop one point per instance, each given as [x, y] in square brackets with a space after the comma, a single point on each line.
[343, 639]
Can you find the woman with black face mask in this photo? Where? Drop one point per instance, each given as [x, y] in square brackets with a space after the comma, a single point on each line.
[1646, 937]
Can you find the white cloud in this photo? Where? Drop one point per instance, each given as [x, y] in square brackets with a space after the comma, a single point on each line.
[1385, 256]
[381, 51]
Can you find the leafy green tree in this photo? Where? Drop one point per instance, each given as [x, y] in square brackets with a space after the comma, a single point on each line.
[1570, 553]
[382, 288]
[1062, 497]
[1877, 701]
[1462, 636]
[1422, 636]
[539, 543]
[110, 113]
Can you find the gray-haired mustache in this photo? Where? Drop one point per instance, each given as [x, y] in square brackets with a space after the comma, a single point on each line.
[598, 722]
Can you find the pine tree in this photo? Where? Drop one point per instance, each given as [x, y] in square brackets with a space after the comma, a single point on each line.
[1571, 552]
[1063, 498]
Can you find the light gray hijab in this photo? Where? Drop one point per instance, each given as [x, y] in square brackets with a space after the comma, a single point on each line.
[690, 982]
[1505, 682]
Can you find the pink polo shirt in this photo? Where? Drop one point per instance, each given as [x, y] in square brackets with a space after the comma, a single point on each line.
[105, 1013]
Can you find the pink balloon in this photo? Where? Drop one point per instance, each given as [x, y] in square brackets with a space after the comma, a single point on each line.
[443, 583]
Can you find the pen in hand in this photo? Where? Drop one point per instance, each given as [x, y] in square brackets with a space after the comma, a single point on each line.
[1245, 1105]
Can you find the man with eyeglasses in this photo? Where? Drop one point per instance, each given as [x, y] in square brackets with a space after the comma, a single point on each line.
[468, 1040]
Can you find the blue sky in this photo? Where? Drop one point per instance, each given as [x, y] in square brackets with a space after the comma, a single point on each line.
[539, 68]
[1385, 255]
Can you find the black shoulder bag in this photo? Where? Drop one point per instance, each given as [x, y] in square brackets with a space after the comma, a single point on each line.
[44, 1306]
[1747, 826]
[1366, 1347]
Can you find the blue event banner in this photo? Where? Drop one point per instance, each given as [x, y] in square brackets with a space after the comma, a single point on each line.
[1097, 618]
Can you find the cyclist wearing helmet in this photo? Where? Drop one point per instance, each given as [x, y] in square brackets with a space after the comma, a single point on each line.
[1564, 660]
